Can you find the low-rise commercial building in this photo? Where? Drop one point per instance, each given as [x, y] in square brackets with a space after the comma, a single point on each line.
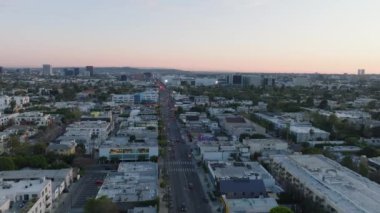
[249, 205]
[237, 125]
[133, 182]
[269, 144]
[306, 132]
[124, 150]
[148, 96]
[244, 171]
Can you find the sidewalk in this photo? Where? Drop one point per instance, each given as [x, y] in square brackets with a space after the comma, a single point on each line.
[207, 185]
[161, 192]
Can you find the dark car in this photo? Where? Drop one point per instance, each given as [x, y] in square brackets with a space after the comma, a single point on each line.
[182, 208]
[205, 199]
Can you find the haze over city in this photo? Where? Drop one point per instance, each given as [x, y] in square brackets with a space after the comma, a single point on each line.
[189, 106]
[214, 35]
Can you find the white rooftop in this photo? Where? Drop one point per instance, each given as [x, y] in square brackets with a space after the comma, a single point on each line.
[251, 205]
[345, 189]
[24, 186]
[134, 181]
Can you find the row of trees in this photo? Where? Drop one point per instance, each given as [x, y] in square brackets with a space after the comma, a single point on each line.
[32, 155]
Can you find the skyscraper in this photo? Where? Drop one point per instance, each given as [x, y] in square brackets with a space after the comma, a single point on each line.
[361, 71]
[47, 70]
[90, 69]
[76, 71]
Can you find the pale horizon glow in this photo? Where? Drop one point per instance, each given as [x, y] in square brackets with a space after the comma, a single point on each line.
[325, 36]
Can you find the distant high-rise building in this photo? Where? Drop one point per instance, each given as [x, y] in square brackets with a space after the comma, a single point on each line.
[361, 71]
[90, 69]
[1, 70]
[76, 71]
[68, 72]
[235, 79]
[123, 77]
[47, 70]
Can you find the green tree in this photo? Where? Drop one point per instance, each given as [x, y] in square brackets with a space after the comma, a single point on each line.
[370, 152]
[6, 163]
[280, 209]
[103, 159]
[39, 149]
[347, 162]
[323, 104]
[12, 105]
[100, 205]
[363, 169]
[153, 158]
[309, 102]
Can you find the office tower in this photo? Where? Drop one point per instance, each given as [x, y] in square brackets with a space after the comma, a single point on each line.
[123, 77]
[76, 71]
[235, 79]
[90, 69]
[47, 70]
[361, 71]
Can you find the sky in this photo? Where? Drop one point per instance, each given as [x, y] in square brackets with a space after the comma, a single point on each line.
[326, 36]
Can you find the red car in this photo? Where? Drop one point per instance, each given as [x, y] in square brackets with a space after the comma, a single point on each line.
[99, 182]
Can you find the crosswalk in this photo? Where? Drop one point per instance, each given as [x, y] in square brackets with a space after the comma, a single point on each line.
[179, 166]
[185, 170]
[175, 163]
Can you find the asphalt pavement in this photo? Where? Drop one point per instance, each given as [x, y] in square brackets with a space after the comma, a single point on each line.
[187, 193]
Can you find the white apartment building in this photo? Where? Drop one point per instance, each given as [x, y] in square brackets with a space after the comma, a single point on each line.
[101, 129]
[304, 133]
[123, 98]
[4, 136]
[21, 100]
[61, 178]
[201, 100]
[37, 118]
[36, 194]
[150, 96]
[4, 102]
[5, 119]
[326, 182]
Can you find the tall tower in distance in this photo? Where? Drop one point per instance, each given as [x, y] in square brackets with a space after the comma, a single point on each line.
[47, 70]
[90, 69]
[361, 71]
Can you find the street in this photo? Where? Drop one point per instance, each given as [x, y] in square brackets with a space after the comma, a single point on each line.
[186, 192]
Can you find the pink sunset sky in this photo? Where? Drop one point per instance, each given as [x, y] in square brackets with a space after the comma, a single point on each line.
[326, 36]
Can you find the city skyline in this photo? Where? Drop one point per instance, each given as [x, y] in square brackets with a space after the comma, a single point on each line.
[235, 36]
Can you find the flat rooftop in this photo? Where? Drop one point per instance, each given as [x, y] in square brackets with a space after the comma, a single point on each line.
[34, 173]
[226, 170]
[24, 186]
[375, 160]
[243, 170]
[134, 181]
[123, 142]
[236, 119]
[251, 205]
[347, 190]
[305, 129]
[89, 124]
